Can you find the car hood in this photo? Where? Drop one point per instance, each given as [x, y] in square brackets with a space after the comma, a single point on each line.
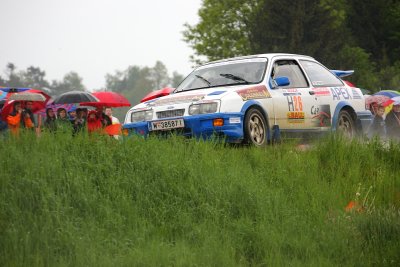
[215, 93]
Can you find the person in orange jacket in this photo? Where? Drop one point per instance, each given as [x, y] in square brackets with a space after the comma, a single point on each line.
[28, 118]
[14, 118]
[21, 117]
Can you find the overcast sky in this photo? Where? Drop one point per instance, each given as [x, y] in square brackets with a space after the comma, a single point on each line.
[95, 37]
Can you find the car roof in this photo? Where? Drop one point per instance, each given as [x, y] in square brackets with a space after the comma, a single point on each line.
[267, 55]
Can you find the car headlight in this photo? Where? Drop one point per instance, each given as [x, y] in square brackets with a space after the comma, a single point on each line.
[142, 115]
[203, 108]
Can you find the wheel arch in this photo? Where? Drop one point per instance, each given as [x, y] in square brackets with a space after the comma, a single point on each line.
[257, 105]
[344, 105]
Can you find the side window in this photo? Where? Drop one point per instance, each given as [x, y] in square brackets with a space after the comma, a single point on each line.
[290, 69]
[319, 75]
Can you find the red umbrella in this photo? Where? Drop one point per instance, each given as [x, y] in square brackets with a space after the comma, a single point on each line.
[108, 99]
[37, 105]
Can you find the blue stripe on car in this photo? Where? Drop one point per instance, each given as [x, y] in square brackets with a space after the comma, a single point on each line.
[201, 126]
[217, 93]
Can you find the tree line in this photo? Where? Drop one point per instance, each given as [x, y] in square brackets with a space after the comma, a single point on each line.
[363, 35]
[133, 82]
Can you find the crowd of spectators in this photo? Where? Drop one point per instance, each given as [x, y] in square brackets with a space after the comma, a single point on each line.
[75, 121]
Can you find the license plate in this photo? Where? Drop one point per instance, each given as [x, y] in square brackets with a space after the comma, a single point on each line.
[166, 124]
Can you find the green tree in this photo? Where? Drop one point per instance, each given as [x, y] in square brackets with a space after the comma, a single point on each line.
[114, 82]
[176, 79]
[355, 58]
[223, 29]
[14, 78]
[71, 82]
[133, 83]
[355, 34]
[159, 75]
[35, 78]
[375, 25]
[232, 28]
[390, 77]
[310, 27]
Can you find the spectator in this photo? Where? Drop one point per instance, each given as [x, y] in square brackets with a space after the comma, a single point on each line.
[28, 120]
[80, 121]
[50, 122]
[377, 127]
[3, 124]
[393, 122]
[105, 120]
[14, 118]
[94, 122]
[62, 122]
[72, 115]
[115, 129]
[109, 112]
[374, 107]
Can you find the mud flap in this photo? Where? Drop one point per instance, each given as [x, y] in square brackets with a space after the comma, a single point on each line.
[276, 134]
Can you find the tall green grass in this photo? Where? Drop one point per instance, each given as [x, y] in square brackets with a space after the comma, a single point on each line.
[83, 201]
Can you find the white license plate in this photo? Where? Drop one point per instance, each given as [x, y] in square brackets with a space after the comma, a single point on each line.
[166, 124]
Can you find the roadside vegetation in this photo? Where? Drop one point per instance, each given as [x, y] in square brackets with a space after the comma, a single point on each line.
[97, 202]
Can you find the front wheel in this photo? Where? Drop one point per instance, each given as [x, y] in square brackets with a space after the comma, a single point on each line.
[345, 124]
[255, 128]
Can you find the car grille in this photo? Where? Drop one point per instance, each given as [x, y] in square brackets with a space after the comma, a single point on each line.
[170, 113]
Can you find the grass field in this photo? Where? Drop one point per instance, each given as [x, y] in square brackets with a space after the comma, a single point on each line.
[97, 202]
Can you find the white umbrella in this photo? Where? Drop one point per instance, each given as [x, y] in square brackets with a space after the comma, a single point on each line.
[27, 97]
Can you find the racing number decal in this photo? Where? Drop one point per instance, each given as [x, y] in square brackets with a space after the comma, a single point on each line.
[295, 103]
[298, 104]
[295, 106]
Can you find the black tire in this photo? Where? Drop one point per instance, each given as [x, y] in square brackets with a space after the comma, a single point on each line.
[345, 124]
[255, 128]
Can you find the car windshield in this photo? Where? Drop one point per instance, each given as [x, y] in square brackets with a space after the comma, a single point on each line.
[246, 71]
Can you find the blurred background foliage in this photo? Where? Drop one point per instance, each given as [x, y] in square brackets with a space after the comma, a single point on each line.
[363, 35]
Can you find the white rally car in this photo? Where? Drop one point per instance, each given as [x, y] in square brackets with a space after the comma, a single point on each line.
[253, 99]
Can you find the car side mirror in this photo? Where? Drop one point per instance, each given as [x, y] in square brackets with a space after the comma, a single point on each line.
[282, 81]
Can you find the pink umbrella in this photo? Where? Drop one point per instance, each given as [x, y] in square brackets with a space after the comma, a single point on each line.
[379, 99]
[55, 107]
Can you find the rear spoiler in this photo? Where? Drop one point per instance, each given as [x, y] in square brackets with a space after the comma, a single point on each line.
[342, 73]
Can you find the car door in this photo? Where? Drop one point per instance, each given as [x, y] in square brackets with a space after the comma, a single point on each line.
[294, 103]
[328, 88]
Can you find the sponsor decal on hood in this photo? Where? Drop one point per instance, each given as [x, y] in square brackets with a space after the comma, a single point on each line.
[255, 92]
[177, 100]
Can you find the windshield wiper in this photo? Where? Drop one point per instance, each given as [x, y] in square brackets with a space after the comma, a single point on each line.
[203, 79]
[234, 77]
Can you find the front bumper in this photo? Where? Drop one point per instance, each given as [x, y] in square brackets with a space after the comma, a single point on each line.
[199, 126]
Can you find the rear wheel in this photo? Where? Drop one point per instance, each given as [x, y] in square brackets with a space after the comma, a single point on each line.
[345, 124]
[255, 128]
